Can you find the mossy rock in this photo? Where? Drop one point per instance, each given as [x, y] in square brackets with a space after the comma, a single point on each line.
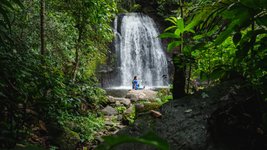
[151, 106]
[68, 140]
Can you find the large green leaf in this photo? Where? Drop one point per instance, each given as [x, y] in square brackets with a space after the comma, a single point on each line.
[173, 44]
[169, 35]
[178, 32]
[239, 20]
[111, 142]
[224, 35]
[170, 28]
[180, 24]
[217, 73]
[195, 21]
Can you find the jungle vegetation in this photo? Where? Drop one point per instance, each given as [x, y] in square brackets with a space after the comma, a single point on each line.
[50, 50]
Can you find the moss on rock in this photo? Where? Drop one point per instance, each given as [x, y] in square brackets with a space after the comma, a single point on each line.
[68, 140]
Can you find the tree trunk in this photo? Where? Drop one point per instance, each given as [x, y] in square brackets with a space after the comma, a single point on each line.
[76, 67]
[42, 26]
[179, 69]
[179, 77]
[77, 55]
[189, 76]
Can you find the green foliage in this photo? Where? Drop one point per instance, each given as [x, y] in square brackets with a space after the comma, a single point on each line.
[247, 30]
[148, 139]
[130, 117]
[238, 48]
[164, 95]
[36, 88]
[178, 29]
[86, 126]
[214, 61]
[121, 109]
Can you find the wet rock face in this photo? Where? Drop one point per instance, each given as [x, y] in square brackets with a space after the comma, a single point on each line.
[186, 123]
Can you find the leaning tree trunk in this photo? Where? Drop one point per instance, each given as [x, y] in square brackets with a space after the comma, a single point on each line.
[42, 26]
[77, 53]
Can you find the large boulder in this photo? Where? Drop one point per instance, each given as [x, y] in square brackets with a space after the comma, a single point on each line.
[124, 101]
[69, 140]
[109, 111]
[118, 101]
[136, 95]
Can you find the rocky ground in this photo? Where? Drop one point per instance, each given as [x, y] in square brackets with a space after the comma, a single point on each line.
[225, 117]
[122, 111]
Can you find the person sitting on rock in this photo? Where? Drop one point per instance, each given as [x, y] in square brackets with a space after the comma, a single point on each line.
[135, 84]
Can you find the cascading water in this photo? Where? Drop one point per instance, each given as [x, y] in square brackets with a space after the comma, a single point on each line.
[139, 51]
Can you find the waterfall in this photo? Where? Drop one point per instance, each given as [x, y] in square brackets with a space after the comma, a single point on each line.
[139, 51]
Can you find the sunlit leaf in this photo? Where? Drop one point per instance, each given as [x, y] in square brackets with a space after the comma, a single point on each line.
[180, 24]
[168, 35]
[197, 37]
[170, 28]
[178, 32]
[172, 19]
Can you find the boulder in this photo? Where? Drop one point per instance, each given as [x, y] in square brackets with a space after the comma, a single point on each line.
[124, 101]
[68, 140]
[118, 103]
[119, 117]
[111, 99]
[139, 107]
[109, 111]
[136, 95]
[130, 110]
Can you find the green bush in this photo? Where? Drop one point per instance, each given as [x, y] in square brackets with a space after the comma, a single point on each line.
[164, 95]
[85, 126]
